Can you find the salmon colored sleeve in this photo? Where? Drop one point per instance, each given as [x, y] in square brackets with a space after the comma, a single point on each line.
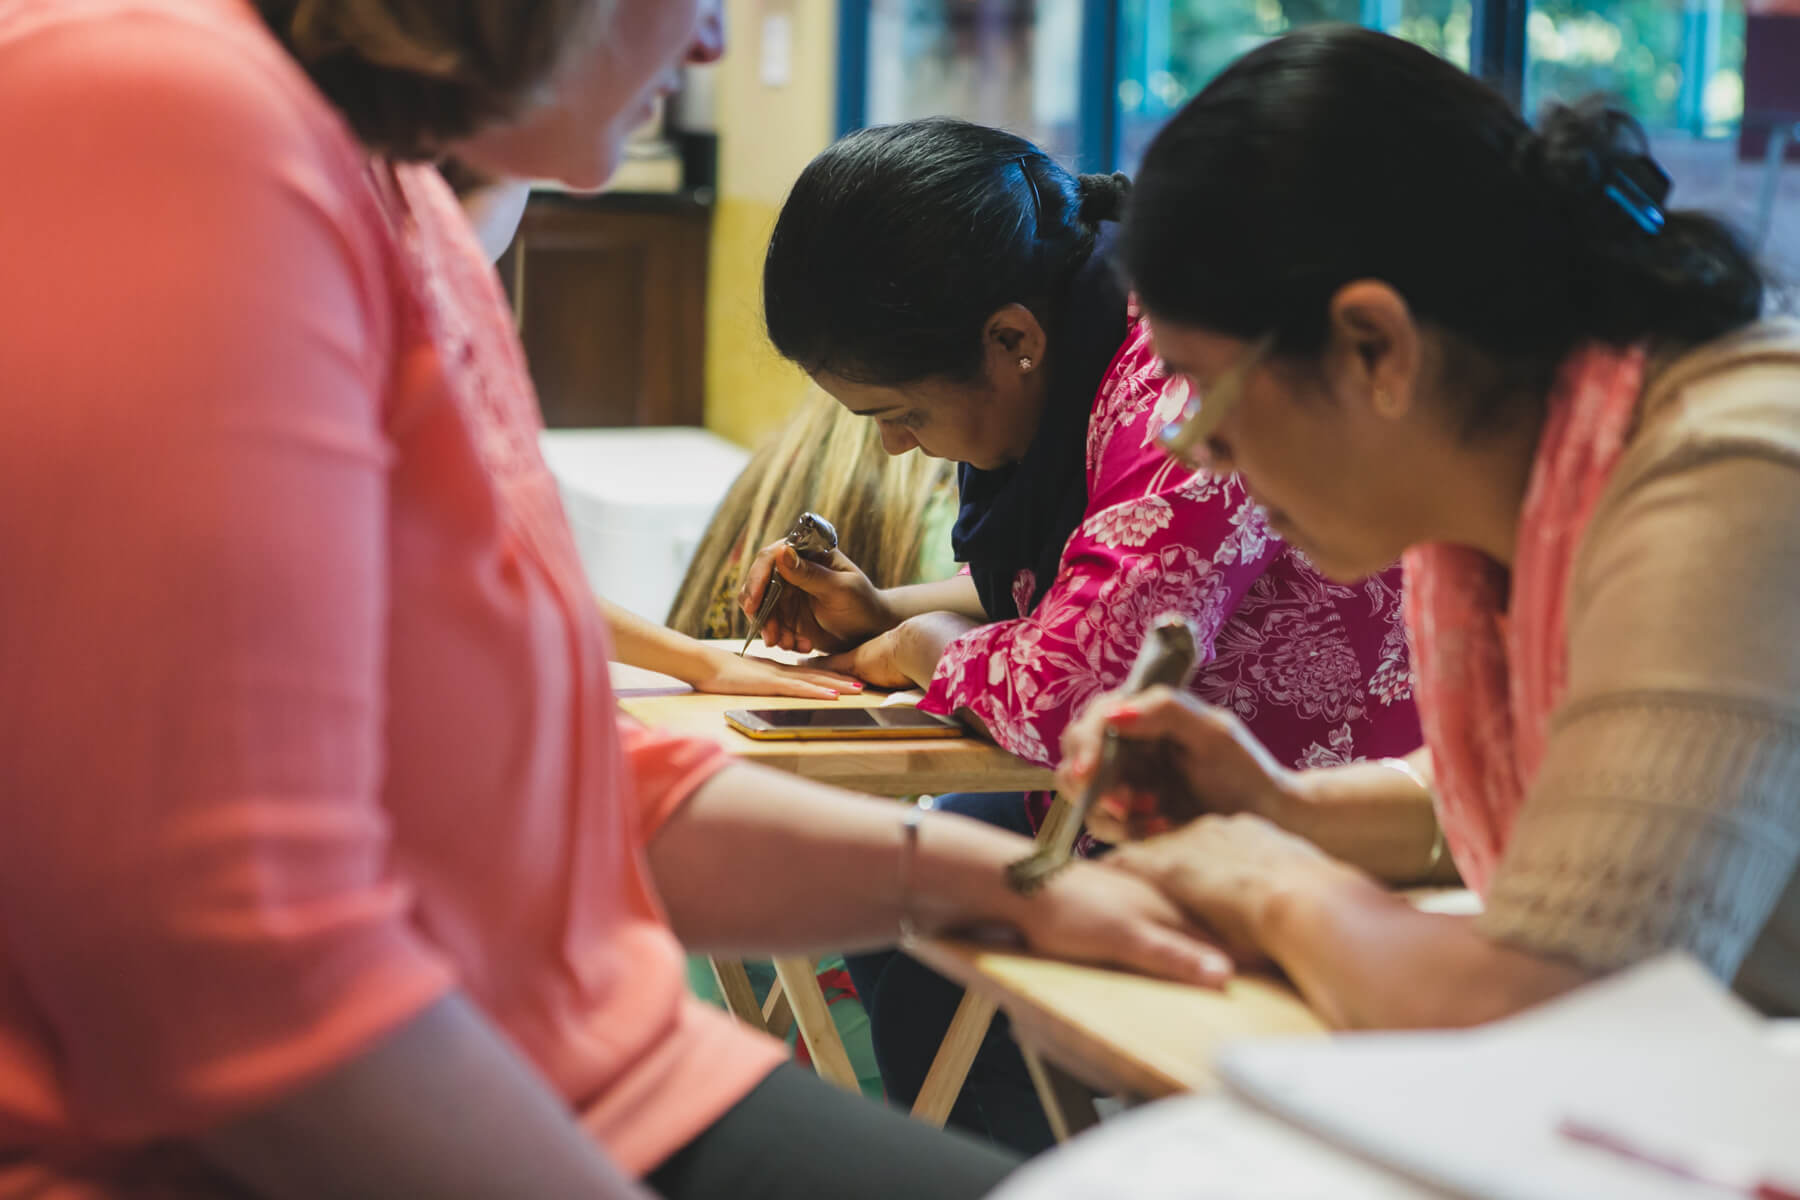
[666, 769]
[194, 884]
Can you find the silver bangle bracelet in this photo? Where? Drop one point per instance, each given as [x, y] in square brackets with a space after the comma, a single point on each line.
[910, 820]
[1438, 845]
[1406, 769]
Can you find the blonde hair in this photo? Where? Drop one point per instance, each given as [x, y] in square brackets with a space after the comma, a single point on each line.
[412, 76]
[826, 460]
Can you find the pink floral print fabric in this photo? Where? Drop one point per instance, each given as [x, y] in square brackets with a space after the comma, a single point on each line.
[1317, 670]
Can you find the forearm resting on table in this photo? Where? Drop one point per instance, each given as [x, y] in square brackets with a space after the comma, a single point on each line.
[922, 640]
[1366, 959]
[956, 594]
[1371, 816]
[442, 1107]
[926, 638]
[653, 647]
[758, 861]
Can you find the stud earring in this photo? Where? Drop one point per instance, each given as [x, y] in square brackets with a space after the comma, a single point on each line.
[1384, 402]
[1025, 364]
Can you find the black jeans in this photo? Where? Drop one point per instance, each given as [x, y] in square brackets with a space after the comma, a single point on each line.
[796, 1137]
[910, 1007]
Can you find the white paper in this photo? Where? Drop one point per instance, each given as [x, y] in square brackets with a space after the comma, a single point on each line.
[1201, 1148]
[1658, 1052]
[1661, 1055]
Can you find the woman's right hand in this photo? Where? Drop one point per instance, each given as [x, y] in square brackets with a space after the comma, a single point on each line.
[1217, 763]
[826, 607]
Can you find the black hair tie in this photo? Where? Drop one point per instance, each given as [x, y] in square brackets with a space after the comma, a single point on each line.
[1103, 197]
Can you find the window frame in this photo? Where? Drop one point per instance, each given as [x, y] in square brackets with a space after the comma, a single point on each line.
[1496, 54]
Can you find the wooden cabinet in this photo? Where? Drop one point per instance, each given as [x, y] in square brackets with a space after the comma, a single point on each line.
[610, 292]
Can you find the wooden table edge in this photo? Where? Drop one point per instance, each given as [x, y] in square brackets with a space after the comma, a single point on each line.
[1077, 1049]
[908, 766]
[1047, 1030]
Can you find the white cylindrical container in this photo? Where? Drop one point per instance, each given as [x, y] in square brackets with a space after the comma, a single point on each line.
[638, 501]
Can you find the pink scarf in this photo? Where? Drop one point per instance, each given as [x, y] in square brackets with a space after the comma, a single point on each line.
[1492, 666]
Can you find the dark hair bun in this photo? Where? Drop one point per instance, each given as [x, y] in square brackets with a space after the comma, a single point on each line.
[1594, 159]
[1640, 269]
[1103, 197]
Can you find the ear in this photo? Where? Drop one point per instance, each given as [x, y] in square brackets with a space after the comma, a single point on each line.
[1012, 334]
[1373, 348]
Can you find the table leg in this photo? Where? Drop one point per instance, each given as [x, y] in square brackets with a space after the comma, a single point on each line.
[944, 1082]
[800, 980]
[778, 1011]
[950, 1069]
[1067, 1102]
[735, 989]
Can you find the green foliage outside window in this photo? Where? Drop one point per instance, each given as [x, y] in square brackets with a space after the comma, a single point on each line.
[1641, 51]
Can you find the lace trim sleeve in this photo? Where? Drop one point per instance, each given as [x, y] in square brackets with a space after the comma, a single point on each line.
[1675, 824]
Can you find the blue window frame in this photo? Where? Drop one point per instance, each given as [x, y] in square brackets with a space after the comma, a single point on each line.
[1133, 62]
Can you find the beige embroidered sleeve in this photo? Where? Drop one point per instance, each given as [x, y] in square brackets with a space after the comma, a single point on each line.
[1667, 811]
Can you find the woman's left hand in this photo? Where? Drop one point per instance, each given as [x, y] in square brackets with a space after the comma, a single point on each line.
[1229, 873]
[876, 662]
[1094, 912]
[906, 655]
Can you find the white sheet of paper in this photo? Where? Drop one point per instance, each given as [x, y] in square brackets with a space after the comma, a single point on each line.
[1658, 1052]
[1201, 1148]
[1661, 1055]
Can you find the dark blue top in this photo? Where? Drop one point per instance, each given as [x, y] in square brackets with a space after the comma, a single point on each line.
[1021, 515]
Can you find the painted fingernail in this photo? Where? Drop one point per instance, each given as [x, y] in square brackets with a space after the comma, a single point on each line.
[1125, 714]
[856, 687]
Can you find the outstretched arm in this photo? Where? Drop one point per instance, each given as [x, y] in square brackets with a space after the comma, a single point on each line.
[713, 669]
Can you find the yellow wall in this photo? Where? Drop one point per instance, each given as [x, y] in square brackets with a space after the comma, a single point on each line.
[766, 135]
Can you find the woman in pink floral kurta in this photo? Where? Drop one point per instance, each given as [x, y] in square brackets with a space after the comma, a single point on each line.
[1317, 669]
[955, 285]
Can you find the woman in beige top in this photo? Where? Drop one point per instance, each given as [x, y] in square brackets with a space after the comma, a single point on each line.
[1416, 325]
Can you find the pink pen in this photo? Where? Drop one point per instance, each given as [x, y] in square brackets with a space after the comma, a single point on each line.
[1708, 1166]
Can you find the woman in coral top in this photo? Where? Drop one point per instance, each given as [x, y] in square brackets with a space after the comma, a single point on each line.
[330, 867]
